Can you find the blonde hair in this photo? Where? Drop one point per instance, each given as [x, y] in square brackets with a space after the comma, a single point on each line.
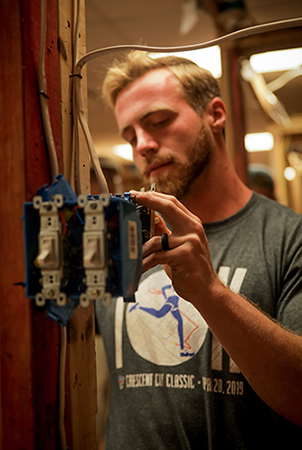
[199, 85]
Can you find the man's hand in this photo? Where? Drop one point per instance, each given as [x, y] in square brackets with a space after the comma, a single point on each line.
[188, 261]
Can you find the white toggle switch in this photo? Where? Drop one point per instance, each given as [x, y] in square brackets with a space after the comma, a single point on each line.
[48, 257]
[93, 251]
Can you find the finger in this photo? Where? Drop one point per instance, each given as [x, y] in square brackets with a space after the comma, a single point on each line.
[174, 212]
[150, 198]
[160, 226]
[170, 259]
[155, 245]
[151, 246]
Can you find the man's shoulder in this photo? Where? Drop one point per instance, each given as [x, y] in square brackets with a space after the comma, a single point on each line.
[277, 222]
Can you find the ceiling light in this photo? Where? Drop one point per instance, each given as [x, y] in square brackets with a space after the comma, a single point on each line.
[123, 151]
[289, 173]
[277, 60]
[207, 58]
[259, 142]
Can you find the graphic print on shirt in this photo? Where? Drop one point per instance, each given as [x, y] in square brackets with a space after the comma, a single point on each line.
[162, 327]
[165, 329]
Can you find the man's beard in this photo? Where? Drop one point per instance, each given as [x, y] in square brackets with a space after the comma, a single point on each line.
[184, 173]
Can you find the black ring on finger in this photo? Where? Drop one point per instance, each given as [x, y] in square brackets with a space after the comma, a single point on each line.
[165, 242]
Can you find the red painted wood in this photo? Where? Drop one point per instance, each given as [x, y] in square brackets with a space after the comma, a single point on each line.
[15, 323]
[29, 340]
[45, 332]
[37, 161]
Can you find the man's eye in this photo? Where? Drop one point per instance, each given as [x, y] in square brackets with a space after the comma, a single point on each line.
[161, 122]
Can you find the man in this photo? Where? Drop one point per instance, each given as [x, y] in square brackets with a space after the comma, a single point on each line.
[237, 382]
[261, 180]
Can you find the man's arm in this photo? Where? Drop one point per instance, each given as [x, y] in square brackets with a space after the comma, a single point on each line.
[268, 355]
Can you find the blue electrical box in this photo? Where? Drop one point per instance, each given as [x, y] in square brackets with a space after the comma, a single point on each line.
[79, 249]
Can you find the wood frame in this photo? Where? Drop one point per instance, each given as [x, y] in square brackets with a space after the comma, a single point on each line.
[29, 340]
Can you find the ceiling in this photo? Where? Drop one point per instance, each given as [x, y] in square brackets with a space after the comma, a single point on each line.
[157, 23]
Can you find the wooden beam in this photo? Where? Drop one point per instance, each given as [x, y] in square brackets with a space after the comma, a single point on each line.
[232, 95]
[81, 358]
[45, 332]
[66, 19]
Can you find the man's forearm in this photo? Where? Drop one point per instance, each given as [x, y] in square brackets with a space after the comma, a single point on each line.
[268, 355]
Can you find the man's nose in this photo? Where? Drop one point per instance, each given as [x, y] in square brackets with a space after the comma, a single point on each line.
[145, 143]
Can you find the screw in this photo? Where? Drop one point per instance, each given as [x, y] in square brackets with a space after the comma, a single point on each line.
[95, 293]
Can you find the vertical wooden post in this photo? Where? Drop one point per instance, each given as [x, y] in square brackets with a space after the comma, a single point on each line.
[81, 359]
[45, 333]
[231, 91]
[15, 313]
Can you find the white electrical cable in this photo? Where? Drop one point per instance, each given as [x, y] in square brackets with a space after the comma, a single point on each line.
[75, 129]
[63, 331]
[267, 99]
[285, 78]
[250, 31]
[79, 114]
[44, 98]
[93, 155]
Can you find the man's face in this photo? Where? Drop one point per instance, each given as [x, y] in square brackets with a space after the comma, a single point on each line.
[171, 143]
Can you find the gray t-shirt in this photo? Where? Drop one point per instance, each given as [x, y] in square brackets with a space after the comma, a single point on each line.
[173, 385]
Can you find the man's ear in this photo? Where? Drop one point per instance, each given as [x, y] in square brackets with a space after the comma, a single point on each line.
[216, 114]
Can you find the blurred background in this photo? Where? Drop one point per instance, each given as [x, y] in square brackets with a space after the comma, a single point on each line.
[263, 97]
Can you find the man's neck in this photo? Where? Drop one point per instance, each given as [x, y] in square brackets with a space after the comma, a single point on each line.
[217, 196]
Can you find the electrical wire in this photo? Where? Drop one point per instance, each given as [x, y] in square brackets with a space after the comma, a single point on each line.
[250, 31]
[79, 115]
[267, 99]
[75, 128]
[77, 181]
[93, 155]
[44, 98]
[281, 81]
